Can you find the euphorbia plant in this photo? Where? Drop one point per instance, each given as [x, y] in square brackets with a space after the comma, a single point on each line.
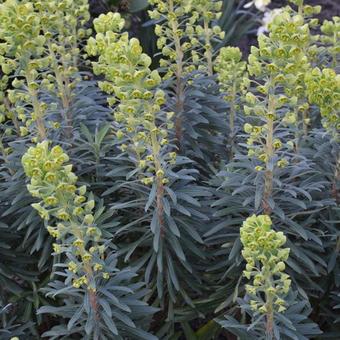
[163, 196]
[186, 34]
[279, 62]
[150, 143]
[23, 50]
[271, 178]
[233, 78]
[265, 258]
[330, 39]
[63, 26]
[268, 294]
[104, 302]
[41, 51]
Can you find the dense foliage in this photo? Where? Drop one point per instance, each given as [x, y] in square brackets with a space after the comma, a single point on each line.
[190, 194]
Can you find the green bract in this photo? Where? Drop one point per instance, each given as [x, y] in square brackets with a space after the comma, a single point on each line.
[53, 183]
[265, 258]
[41, 50]
[233, 78]
[330, 38]
[90, 265]
[323, 89]
[134, 92]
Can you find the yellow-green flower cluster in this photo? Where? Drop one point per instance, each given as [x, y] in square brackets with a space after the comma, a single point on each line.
[76, 233]
[258, 135]
[186, 28]
[64, 20]
[134, 93]
[331, 39]
[40, 42]
[231, 72]
[323, 87]
[22, 50]
[308, 13]
[20, 33]
[4, 112]
[202, 28]
[63, 26]
[265, 257]
[174, 27]
[62, 23]
[233, 79]
[280, 62]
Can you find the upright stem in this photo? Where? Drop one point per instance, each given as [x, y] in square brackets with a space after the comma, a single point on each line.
[160, 206]
[77, 232]
[304, 123]
[36, 107]
[334, 53]
[269, 305]
[232, 117]
[336, 181]
[63, 89]
[269, 317]
[179, 91]
[159, 184]
[268, 184]
[208, 48]
[75, 46]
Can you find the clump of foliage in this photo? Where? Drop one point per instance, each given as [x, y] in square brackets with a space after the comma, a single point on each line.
[102, 297]
[196, 198]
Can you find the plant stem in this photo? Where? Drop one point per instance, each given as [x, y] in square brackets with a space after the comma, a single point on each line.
[63, 89]
[334, 53]
[232, 117]
[208, 47]
[36, 107]
[304, 122]
[268, 184]
[269, 317]
[336, 181]
[179, 90]
[269, 306]
[159, 184]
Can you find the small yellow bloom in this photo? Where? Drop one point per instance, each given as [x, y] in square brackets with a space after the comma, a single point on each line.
[97, 267]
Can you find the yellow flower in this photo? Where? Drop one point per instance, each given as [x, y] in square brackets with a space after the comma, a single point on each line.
[78, 243]
[91, 231]
[72, 266]
[277, 144]
[88, 219]
[56, 248]
[160, 173]
[97, 267]
[87, 257]
[63, 215]
[282, 163]
[51, 200]
[248, 128]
